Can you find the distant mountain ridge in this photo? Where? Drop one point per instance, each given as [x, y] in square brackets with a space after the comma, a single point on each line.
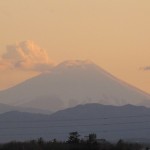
[71, 83]
[109, 122]
[7, 108]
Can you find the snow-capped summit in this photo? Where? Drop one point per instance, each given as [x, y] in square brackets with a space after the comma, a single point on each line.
[75, 64]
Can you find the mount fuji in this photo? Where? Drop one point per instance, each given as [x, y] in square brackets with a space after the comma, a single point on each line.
[71, 83]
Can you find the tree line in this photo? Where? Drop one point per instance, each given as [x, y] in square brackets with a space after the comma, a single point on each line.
[74, 142]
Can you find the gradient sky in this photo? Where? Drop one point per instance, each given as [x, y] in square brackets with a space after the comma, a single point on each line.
[115, 34]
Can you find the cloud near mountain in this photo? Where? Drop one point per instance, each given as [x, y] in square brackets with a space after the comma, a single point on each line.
[147, 68]
[25, 55]
[4, 64]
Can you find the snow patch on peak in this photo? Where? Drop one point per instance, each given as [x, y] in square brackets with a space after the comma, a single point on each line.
[84, 64]
[70, 63]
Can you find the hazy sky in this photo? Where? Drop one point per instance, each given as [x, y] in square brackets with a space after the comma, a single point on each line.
[115, 34]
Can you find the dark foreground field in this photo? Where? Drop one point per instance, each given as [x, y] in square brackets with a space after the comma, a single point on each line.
[40, 144]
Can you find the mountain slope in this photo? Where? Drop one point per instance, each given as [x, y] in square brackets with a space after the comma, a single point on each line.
[71, 83]
[110, 122]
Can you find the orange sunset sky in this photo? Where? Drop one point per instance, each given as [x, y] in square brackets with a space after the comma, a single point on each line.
[115, 34]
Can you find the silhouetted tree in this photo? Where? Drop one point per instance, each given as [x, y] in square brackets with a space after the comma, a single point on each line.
[40, 141]
[92, 138]
[73, 138]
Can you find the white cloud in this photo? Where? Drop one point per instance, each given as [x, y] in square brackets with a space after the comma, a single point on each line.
[26, 55]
